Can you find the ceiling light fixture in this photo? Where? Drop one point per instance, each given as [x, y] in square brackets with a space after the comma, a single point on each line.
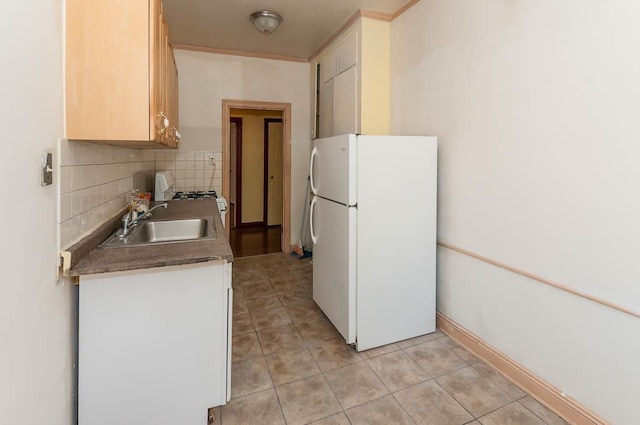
[266, 21]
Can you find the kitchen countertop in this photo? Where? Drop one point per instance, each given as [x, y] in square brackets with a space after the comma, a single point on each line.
[96, 260]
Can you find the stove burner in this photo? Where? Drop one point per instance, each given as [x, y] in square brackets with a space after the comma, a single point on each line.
[206, 194]
[200, 194]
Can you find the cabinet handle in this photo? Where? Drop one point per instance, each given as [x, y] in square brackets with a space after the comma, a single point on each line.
[176, 134]
[164, 123]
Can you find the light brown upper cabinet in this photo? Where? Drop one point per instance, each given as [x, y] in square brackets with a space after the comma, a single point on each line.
[351, 82]
[172, 133]
[121, 77]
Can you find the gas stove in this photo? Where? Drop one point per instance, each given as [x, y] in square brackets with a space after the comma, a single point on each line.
[196, 194]
[164, 191]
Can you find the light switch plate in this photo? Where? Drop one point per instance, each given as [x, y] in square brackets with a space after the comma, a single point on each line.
[46, 165]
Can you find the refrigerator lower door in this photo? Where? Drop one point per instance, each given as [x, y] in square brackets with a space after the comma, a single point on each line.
[334, 257]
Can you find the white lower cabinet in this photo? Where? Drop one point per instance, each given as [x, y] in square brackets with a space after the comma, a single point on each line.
[154, 345]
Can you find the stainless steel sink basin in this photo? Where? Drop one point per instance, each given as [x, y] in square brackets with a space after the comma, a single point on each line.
[169, 231]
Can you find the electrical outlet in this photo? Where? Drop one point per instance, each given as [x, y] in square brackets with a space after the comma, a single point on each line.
[212, 159]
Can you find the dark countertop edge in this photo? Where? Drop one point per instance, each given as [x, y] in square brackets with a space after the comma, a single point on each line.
[87, 248]
[181, 262]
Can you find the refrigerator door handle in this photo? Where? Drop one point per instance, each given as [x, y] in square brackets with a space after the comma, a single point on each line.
[314, 238]
[314, 153]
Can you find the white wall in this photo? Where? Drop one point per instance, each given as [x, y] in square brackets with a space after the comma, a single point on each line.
[35, 312]
[205, 79]
[536, 109]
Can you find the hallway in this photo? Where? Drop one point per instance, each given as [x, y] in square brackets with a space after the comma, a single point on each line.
[252, 241]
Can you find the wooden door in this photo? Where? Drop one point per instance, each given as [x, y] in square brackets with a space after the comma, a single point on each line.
[273, 178]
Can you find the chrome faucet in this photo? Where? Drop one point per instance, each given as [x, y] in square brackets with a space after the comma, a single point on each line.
[128, 223]
[148, 213]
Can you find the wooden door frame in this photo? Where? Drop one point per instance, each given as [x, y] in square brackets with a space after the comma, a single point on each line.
[237, 208]
[285, 108]
[265, 189]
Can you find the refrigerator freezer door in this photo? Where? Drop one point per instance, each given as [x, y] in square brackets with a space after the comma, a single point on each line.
[334, 271]
[333, 168]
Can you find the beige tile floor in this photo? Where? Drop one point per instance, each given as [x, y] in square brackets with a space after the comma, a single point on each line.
[290, 366]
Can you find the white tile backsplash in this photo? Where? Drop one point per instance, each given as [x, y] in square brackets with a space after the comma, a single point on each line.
[66, 177]
[94, 182]
[76, 204]
[65, 206]
[65, 232]
[192, 169]
[95, 179]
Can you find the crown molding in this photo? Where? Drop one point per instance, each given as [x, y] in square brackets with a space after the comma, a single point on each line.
[239, 53]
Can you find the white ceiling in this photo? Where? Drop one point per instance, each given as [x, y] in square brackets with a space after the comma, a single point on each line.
[224, 24]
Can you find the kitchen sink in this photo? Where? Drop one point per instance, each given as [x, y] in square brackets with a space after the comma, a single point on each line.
[166, 231]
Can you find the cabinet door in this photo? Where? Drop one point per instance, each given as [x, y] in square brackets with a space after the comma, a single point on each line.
[164, 333]
[157, 72]
[161, 119]
[328, 66]
[107, 70]
[347, 53]
[345, 94]
[175, 97]
[172, 98]
[166, 56]
[325, 117]
[315, 98]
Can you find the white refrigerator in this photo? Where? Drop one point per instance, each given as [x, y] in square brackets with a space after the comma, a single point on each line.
[373, 226]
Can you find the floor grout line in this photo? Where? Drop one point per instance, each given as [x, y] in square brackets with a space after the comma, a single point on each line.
[455, 399]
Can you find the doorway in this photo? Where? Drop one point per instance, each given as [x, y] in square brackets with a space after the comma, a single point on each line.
[255, 174]
[256, 181]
